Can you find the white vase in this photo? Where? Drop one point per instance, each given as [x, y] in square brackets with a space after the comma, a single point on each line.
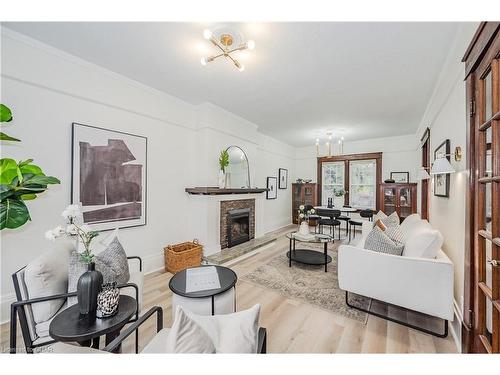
[304, 228]
[222, 179]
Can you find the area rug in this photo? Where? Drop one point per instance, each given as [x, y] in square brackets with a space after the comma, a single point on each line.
[309, 284]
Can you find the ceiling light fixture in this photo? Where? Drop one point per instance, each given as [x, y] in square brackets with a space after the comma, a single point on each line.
[224, 42]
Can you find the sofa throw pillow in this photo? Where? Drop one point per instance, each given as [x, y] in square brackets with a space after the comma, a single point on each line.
[379, 216]
[112, 263]
[423, 243]
[47, 275]
[391, 220]
[409, 222]
[378, 241]
[380, 224]
[395, 233]
[231, 333]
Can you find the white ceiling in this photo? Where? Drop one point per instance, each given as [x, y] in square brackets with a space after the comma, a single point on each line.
[359, 80]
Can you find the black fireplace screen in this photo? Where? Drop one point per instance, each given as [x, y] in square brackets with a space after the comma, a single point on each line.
[238, 226]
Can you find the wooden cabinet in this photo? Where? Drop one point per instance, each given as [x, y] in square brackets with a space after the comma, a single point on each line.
[401, 198]
[302, 194]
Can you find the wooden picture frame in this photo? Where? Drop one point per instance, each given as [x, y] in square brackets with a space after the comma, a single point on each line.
[400, 177]
[442, 181]
[109, 177]
[272, 188]
[283, 178]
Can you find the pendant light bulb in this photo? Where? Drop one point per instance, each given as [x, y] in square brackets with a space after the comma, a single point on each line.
[207, 34]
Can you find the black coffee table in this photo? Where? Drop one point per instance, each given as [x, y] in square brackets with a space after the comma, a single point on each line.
[309, 256]
[70, 326]
[227, 279]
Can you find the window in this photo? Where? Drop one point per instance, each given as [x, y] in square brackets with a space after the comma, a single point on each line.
[333, 180]
[358, 175]
[362, 184]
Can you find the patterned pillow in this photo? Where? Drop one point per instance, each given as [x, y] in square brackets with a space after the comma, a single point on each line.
[378, 241]
[112, 263]
[379, 216]
[395, 233]
[391, 220]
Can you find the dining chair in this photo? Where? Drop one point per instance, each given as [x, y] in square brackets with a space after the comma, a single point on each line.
[329, 218]
[365, 214]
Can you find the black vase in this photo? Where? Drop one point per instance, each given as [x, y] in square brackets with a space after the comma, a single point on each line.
[88, 287]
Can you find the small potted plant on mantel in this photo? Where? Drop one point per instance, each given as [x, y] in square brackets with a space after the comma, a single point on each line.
[223, 163]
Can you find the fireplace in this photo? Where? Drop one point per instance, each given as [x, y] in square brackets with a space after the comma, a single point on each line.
[237, 222]
[238, 226]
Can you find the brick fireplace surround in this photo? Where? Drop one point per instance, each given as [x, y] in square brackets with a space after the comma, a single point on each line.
[225, 207]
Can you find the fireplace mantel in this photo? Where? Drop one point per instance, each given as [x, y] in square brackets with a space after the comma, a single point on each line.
[209, 190]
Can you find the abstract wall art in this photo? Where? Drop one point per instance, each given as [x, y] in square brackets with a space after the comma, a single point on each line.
[109, 177]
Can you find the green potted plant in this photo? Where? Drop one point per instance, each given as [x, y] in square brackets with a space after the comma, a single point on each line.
[19, 182]
[223, 163]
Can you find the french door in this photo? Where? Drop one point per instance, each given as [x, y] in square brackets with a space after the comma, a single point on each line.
[483, 84]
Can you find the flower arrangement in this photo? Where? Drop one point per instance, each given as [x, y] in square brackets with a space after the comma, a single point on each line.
[75, 227]
[338, 192]
[304, 214]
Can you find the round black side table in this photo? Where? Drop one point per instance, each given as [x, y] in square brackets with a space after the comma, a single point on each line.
[70, 326]
[227, 279]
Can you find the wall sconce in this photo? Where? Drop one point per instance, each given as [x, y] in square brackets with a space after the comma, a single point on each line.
[458, 153]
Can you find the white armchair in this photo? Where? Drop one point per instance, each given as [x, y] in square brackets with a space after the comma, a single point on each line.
[416, 283]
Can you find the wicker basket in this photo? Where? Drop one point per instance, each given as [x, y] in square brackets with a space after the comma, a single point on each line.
[183, 255]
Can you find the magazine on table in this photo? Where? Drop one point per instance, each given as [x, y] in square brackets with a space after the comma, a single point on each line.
[202, 278]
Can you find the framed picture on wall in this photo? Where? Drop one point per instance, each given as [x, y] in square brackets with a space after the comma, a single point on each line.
[272, 188]
[283, 178]
[109, 177]
[400, 177]
[442, 181]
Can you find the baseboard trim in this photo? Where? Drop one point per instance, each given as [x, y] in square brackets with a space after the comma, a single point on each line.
[456, 326]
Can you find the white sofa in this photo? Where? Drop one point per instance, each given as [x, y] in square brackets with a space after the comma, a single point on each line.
[418, 282]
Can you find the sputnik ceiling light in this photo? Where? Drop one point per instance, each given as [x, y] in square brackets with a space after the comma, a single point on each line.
[224, 42]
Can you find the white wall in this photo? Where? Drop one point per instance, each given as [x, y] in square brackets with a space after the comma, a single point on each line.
[48, 89]
[446, 117]
[398, 155]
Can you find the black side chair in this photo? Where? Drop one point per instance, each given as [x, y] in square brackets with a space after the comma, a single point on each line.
[22, 309]
[345, 218]
[366, 214]
[329, 218]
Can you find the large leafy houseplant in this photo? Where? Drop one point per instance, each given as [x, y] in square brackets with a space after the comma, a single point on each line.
[19, 182]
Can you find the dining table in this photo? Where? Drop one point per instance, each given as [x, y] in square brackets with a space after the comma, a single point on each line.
[346, 210]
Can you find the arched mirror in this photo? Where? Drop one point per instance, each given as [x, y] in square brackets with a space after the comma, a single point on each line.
[238, 171]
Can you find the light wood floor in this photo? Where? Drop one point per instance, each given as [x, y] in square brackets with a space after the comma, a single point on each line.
[292, 326]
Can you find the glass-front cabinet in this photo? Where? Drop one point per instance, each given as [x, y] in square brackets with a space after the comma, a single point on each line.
[400, 198]
[302, 194]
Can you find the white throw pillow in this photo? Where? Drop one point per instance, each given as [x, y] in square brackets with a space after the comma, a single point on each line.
[408, 222]
[231, 333]
[47, 275]
[185, 336]
[423, 243]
